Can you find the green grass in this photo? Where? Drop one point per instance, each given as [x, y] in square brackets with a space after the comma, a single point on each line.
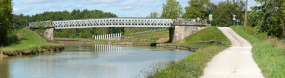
[193, 65]
[28, 39]
[208, 34]
[154, 36]
[151, 37]
[269, 57]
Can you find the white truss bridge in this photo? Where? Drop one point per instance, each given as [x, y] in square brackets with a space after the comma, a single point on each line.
[106, 22]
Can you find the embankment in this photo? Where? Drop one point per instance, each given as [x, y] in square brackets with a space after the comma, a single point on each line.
[27, 42]
[193, 65]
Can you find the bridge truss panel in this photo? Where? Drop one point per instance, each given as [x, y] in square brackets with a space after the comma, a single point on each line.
[41, 23]
[112, 22]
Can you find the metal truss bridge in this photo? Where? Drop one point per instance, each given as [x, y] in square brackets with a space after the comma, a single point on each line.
[106, 22]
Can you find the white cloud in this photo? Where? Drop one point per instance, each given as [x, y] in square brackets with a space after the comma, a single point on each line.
[127, 8]
[49, 6]
[16, 9]
[78, 6]
[22, 10]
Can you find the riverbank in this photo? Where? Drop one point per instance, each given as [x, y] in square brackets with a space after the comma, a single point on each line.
[193, 65]
[268, 52]
[27, 42]
[207, 43]
[165, 45]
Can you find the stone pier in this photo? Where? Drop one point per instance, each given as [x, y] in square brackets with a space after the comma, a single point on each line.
[46, 31]
[181, 30]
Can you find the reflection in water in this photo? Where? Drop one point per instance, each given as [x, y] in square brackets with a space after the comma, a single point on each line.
[3, 68]
[93, 61]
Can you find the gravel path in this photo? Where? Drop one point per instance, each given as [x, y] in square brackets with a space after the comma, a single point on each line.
[234, 62]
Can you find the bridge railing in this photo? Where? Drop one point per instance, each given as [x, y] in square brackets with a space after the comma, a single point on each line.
[116, 22]
[113, 22]
[107, 36]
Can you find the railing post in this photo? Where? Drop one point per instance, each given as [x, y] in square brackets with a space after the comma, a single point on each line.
[104, 36]
[108, 36]
[120, 35]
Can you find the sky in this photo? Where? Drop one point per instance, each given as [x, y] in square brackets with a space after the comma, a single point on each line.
[122, 8]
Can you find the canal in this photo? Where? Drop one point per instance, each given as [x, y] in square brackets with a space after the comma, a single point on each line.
[91, 61]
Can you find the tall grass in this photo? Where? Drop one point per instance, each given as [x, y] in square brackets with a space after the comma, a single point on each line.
[268, 52]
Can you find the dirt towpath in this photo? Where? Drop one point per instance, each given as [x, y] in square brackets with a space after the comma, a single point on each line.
[234, 62]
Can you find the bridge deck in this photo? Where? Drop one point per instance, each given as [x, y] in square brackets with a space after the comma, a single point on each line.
[106, 22]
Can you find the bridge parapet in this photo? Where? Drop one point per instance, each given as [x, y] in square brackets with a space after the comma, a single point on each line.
[189, 22]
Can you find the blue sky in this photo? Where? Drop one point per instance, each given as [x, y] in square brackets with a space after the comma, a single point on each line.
[122, 8]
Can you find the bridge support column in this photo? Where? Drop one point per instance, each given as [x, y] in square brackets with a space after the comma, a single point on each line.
[182, 30]
[48, 34]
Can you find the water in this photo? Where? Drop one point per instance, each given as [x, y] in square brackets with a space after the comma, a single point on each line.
[91, 61]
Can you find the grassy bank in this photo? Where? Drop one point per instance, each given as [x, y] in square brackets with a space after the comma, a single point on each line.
[205, 35]
[268, 53]
[26, 40]
[152, 36]
[149, 37]
[193, 65]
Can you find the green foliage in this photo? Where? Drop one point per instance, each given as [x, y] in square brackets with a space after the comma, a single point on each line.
[172, 9]
[269, 57]
[20, 21]
[153, 15]
[198, 8]
[26, 39]
[253, 15]
[5, 21]
[273, 18]
[65, 33]
[223, 13]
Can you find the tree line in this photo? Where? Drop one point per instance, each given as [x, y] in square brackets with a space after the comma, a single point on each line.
[268, 18]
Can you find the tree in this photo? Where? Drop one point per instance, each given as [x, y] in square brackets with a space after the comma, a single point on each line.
[172, 9]
[198, 8]
[273, 17]
[222, 14]
[6, 18]
[153, 15]
[253, 15]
